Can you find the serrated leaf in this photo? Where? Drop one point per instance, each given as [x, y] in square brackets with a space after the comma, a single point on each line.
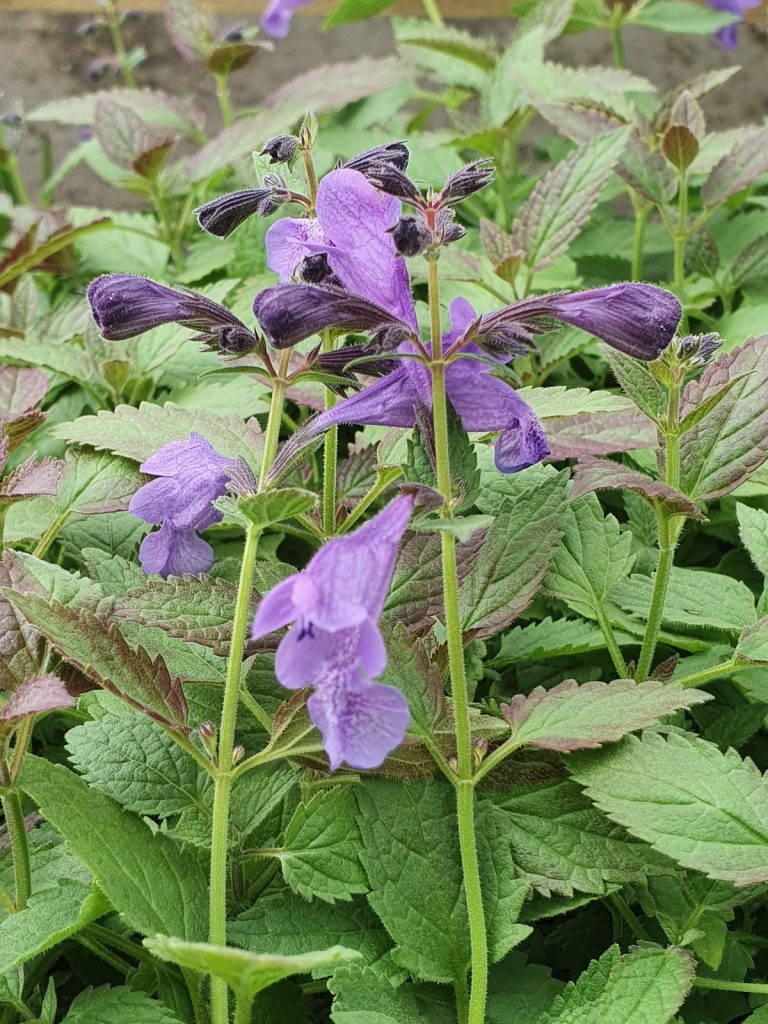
[99, 650]
[752, 645]
[275, 506]
[515, 556]
[603, 474]
[362, 998]
[552, 638]
[13, 268]
[22, 389]
[563, 200]
[347, 11]
[704, 809]
[133, 761]
[128, 140]
[138, 433]
[411, 855]
[560, 841]
[600, 433]
[51, 916]
[447, 40]
[695, 597]
[645, 986]
[572, 717]
[320, 855]
[646, 171]
[551, 402]
[410, 671]
[745, 162]
[146, 877]
[92, 483]
[753, 531]
[34, 696]
[680, 146]
[118, 1006]
[594, 555]
[731, 442]
[151, 105]
[246, 973]
[750, 257]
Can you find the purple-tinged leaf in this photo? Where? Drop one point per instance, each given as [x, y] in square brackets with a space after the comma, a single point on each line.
[637, 382]
[151, 105]
[500, 249]
[752, 645]
[602, 474]
[687, 112]
[100, 651]
[697, 88]
[750, 257]
[515, 557]
[289, 313]
[680, 146]
[746, 161]
[582, 122]
[33, 479]
[646, 171]
[731, 441]
[572, 717]
[41, 693]
[22, 648]
[563, 200]
[410, 670]
[576, 437]
[129, 141]
[22, 389]
[190, 28]
[19, 262]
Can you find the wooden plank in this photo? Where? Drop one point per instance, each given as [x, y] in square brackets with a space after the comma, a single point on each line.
[449, 8]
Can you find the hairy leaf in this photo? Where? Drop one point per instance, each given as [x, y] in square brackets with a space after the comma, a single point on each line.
[572, 717]
[151, 882]
[558, 401]
[753, 530]
[92, 483]
[695, 598]
[745, 162]
[118, 1006]
[601, 433]
[602, 474]
[410, 671]
[552, 638]
[38, 694]
[101, 653]
[705, 809]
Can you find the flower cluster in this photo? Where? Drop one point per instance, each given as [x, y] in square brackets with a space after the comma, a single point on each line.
[334, 644]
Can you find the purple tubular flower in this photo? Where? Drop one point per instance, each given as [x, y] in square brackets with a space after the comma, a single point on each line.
[189, 476]
[483, 402]
[289, 313]
[124, 305]
[335, 645]
[728, 35]
[276, 19]
[352, 229]
[221, 216]
[637, 319]
[392, 154]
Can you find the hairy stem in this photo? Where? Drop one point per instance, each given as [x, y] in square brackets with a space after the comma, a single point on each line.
[432, 11]
[50, 535]
[617, 15]
[113, 23]
[464, 785]
[732, 986]
[223, 777]
[610, 639]
[330, 456]
[642, 212]
[225, 101]
[706, 675]
[17, 833]
[243, 1010]
[385, 479]
[681, 233]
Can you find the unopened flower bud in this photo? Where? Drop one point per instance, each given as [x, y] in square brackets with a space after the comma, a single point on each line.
[698, 349]
[89, 27]
[411, 236]
[466, 181]
[453, 764]
[281, 149]
[479, 750]
[238, 754]
[207, 734]
[236, 341]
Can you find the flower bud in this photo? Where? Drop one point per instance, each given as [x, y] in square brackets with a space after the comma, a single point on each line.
[207, 734]
[281, 149]
[479, 750]
[698, 349]
[315, 269]
[411, 236]
[236, 341]
[238, 754]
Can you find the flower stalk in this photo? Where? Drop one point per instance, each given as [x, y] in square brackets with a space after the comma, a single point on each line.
[464, 784]
[223, 776]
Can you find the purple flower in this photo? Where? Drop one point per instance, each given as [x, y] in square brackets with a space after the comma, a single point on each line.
[124, 305]
[221, 216]
[352, 230]
[728, 35]
[190, 475]
[276, 19]
[335, 645]
[483, 402]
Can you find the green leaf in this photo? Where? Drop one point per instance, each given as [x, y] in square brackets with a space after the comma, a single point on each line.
[461, 527]
[552, 638]
[100, 651]
[646, 986]
[51, 916]
[363, 997]
[411, 855]
[753, 530]
[604, 474]
[515, 556]
[152, 105]
[742, 165]
[705, 809]
[753, 643]
[355, 10]
[280, 920]
[199, 610]
[561, 842]
[561, 401]
[320, 855]
[446, 40]
[275, 506]
[118, 1006]
[410, 671]
[695, 597]
[572, 717]
[133, 761]
[55, 242]
[594, 556]
[147, 878]
[95, 483]
[138, 433]
[246, 973]
[563, 200]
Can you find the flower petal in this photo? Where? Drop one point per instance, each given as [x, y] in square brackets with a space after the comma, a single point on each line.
[276, 609]
[387, 403]
[172, 552]
[277, 17]
[289, 241]
[361, 722]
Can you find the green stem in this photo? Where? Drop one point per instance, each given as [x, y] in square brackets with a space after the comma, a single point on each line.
[50, 535]
[113, 23]
[243, 1010]
[658, 598]
[464, 785]
[617, 16]
[610, 640]
[630, 918]
[16, 182]
[732, 986]
[386, 479]
[17, 833]
[112, 959]
[432, 11]
[255, 708]
[642, 212]
[681, 233]
[706, 675]
[309, 168]
[330, 456]
[224, 775]
[225, 101]
[127, 946]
